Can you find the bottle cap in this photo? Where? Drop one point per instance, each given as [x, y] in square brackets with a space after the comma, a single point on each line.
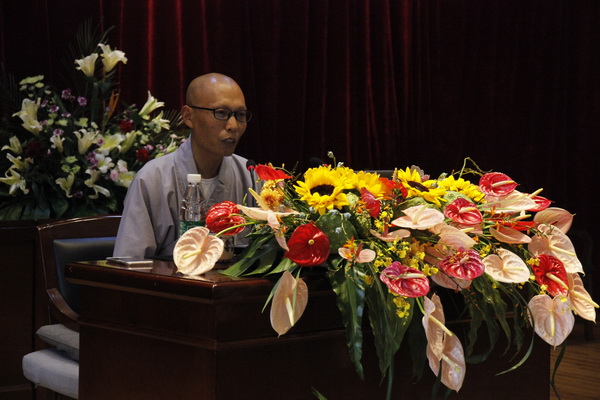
[194, 178]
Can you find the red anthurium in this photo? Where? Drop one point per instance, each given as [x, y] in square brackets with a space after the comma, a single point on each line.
[224, 215]
[268, 173]
[308, 246]
[541, 203]
[463, 264]
[463, 211]
[496, 184]
[371, 202]
[405, 281]
[551, 272]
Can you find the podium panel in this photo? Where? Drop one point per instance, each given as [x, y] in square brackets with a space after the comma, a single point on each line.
[152, 334]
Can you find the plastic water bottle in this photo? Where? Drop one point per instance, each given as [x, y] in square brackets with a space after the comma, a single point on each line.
[193, 207]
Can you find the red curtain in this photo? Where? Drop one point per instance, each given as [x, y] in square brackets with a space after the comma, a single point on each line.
[382, 83]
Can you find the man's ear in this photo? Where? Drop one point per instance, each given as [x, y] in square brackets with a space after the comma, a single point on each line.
[186, 116]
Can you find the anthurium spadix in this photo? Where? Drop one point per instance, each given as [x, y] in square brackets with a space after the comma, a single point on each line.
[552, 317]
[506, 266]
[289, 302]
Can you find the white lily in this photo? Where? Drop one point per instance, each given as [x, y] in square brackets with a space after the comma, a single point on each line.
[28, 115]
[91, 182]
[85, 139]
[159, 123]
[110, 57]
[129, 140]
[15, 181]
[111, 142]
[104, 163]
[87, 64]
[66, 184]
[57, 142]
[151, 104]
[18, 163]
[14, 146]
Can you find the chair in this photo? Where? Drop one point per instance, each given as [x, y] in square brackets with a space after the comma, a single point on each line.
[60, 243]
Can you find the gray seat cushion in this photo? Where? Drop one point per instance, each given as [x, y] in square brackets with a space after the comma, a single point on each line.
[53, 369]
[62, 338]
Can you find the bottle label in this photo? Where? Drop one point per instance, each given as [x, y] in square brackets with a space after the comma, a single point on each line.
[185, 225]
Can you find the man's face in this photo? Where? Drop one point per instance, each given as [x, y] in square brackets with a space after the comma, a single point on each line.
[212, 138]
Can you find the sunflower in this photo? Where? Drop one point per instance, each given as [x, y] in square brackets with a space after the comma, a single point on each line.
[323, 188]
[460, 185]
[411, 179]
[372, 183]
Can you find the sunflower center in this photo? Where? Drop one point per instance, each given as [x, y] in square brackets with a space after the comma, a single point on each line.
[416, 185]
[323, 190]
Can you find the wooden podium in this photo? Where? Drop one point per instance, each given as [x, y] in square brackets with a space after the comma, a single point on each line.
[153, 334]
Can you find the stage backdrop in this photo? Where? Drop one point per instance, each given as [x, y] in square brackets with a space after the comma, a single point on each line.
[382, 83]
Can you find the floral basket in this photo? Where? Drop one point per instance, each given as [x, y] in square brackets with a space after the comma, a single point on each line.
[74, 152]
[398, 246]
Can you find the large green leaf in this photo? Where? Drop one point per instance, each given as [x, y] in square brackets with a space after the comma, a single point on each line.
[348, 285]
[337, 228]
[255, 250]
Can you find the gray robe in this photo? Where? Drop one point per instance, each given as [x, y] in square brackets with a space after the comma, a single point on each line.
[150, 222]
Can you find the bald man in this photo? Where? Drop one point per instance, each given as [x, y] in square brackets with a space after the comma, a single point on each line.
[216, 113]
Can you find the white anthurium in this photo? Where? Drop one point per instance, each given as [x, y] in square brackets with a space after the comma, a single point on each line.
[197, 251]
[419, 217]
[509, 235]
[91, 182]
[552, 317]
[28, 115]
[87, 65]
[15, 182]
[554, 242]
[511, 203]
[289, 302]
[581, 301]
[110, 58]
[57, 142]
[85, 139]
[506, 266]
[151, 104]
[262, 214]
[14, 145]
[110, 142]
[454, 367]
[66, 184]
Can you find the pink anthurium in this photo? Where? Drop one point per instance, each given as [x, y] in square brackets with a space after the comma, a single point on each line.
[581, 301]
[451, 283]
[356, 253]
[496, 184]
[405, 281]
[558, 217]
[553, 241]
[419, 217]
[542, 203]
[197, 252]
[552, 317]
[452, 236]
[442, 345]
[506, 266]
[289, 302]
[511, 203]
[509, 235]
[454, 367]
[391, 236]
[463, 264]
[262, 214]
[273, 221]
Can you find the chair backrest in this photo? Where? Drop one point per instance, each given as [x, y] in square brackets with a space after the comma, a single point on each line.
[64, 241]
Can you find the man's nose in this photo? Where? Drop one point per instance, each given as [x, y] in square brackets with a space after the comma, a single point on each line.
[232, 123]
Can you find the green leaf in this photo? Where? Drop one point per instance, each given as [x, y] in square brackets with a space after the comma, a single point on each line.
[348, 286]
[337, 228]
[253, 252]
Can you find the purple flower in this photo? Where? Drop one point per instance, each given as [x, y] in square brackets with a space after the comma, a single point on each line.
[82, 101]
[44, 103]
[54, 108]
[58, 132]
[66, 94]
[66, 114]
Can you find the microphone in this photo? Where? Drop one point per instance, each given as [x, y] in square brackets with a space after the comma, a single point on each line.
[315, 162]
[251, 165]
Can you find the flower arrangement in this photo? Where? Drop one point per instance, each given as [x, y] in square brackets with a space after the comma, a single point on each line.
[400, 245]
[74, 152]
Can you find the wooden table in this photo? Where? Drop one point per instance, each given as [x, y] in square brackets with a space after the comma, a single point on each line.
[152, 334]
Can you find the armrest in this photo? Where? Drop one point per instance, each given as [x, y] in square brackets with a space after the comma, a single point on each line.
[60, 310]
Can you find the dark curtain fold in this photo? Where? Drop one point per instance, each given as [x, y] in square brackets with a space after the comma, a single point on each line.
[382, 83]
